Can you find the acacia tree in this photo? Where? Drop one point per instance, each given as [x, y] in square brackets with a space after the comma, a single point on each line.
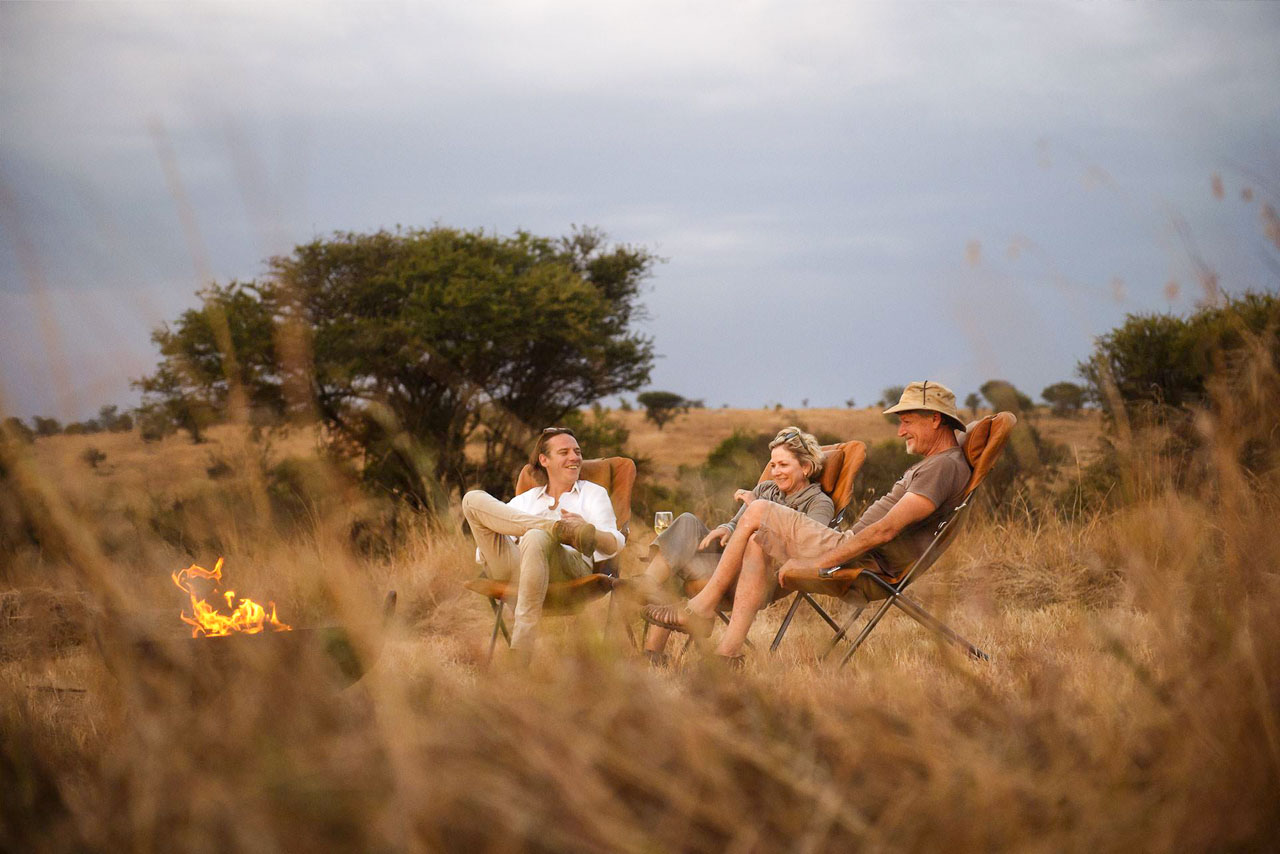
[662, 406]
[973, 401]
[412, 345]
[1065, 398]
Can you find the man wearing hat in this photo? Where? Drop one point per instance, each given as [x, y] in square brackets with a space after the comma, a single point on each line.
[898, 527]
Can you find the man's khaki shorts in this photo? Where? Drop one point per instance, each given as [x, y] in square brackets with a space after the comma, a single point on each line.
[785, 534]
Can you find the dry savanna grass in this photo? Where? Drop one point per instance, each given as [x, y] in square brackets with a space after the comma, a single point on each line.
[1130, 704]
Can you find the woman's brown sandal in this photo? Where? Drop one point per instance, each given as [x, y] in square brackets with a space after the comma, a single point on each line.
[678, 618]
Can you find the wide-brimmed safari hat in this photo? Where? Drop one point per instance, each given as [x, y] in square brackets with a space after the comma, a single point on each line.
[929, 396]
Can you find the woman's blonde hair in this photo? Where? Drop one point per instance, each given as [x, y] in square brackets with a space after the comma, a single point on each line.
[803, 445]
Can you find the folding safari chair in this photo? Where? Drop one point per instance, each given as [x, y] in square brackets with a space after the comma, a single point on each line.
[859, 586]
[618, 476]
[840, 466]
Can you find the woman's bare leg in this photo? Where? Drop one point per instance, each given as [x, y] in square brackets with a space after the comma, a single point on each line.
[748, 598]
[730, 564]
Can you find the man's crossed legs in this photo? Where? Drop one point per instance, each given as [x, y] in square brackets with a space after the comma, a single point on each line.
[531, 563]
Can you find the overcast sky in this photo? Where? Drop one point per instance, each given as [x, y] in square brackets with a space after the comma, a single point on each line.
[847, 196]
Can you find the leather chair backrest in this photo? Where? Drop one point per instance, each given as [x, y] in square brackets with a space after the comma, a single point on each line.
[983, 442]
[840, 465]
[616, 474]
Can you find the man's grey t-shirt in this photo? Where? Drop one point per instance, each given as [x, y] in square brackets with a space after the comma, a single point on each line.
[941, 478]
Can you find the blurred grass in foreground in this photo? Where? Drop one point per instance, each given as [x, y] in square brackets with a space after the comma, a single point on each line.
[1131, 702]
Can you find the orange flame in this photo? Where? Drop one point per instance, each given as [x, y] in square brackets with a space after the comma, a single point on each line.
[248, 617]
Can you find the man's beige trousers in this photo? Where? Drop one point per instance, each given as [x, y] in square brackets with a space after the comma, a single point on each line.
[531, 563]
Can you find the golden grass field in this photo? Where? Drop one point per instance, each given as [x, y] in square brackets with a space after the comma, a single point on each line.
[1130, 703]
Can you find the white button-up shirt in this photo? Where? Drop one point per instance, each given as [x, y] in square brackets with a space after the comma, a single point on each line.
[589, 500]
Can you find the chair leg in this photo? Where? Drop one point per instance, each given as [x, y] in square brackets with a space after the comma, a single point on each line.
[497, 624]
[786, 621]
[924, 618]
[502, 624]
[842, 631]
[921, 616]
[822, 612]
[866, 630]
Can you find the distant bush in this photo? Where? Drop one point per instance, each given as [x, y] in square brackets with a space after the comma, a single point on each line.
[1064, 398]
[972, 402]
[82, 428]
[15, 430]
[1154, 375]
[886, 461]
[1003, 396]
[1156, 368]
[889, 396]
[47, 426]
[111, 419]
[218, 468]
[92, 456]
[155, 424]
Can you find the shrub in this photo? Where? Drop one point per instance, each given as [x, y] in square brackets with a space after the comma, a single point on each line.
[155, 424]
[1003, 396]
[47, 426]
[1155, 368]
[13, 429]
[1065, 398]
[886, 461]
[972, 402]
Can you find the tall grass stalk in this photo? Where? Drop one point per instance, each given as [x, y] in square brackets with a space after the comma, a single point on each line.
[1131, 703]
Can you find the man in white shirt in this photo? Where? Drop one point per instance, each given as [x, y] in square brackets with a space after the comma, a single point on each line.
[555, 530]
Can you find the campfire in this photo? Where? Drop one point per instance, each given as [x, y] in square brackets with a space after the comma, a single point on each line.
[215, 620]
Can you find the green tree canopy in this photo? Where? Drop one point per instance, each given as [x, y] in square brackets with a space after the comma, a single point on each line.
[412, 345]
[662, 406]
[1159, 365]
[213, 357]
[1065, 398]
[1002, 395]
[14, 429]
[890, 395]
[47, 426]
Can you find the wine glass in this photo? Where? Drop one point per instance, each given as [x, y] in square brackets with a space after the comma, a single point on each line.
[662, 521]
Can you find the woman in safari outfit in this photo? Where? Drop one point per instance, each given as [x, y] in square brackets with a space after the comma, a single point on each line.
[688, 550]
